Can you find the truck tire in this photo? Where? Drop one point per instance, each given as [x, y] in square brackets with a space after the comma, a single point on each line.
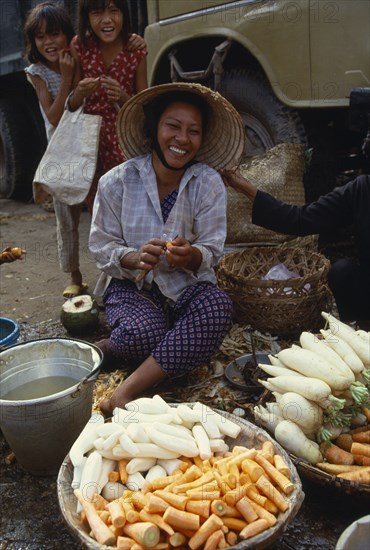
[16, 143]
[267, 121]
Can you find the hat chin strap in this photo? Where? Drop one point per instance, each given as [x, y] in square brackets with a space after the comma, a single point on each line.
[160, 155]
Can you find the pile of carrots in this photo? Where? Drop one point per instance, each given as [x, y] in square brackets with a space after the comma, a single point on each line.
[348, 457]
[206, 504]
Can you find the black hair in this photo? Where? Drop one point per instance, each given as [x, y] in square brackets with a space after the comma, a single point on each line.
[56, 19]
[154, 109]
[86, 6]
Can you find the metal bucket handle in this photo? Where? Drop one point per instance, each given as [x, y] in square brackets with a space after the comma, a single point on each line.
[85, 380]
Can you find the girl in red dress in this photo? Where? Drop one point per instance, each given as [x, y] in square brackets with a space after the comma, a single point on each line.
[110, 69]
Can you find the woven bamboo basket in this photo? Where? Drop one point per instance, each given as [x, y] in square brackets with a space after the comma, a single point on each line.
[250, 436]
[283, 307]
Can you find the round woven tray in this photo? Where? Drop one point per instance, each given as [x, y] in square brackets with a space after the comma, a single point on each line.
[319, 477]
[250, 436]
[279, 307]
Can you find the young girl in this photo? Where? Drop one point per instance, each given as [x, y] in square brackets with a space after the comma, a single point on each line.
[110, 73]
[48, 32]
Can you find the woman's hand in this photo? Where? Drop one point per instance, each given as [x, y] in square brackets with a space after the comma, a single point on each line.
[180, 253]
[239, 183]
[87, 86]
[113, 90]
[67, 65]
[150, 254]
[135, 42]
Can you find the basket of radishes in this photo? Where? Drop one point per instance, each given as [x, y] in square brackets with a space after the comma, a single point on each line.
[320, 406]
[165, 476]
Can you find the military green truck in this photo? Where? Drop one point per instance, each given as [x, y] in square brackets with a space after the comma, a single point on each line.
[297, 71]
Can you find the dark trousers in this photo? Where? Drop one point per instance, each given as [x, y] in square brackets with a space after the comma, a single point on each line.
[351, 289]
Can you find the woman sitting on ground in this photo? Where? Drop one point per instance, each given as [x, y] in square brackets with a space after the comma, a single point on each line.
[158, 231]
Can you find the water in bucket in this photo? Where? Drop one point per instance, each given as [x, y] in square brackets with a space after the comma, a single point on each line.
[41, 429]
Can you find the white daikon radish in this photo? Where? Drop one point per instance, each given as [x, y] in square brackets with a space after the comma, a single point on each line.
[343, 349]
[112, 490]
[155, 472]
[311, 388]
[189, 415]
[124, 417]
[364, 335]
[106, 467]
[147, 405]
[170, 465]
[291, 437]
[171, 430]
[158, 399]
[155, 451]
[218, 446]
[112, 440]
[128, 445]
[175, 444]
[85, 441]
[140, 465]
[311, 342]
[276, 362]
[89, 484]
[300, 410]
[310, 364]
[135, 481]
[355, 340]
[224, 425]
[202, 441]
[99, 442]
[136, 432]
[109, 428]
[77, 472]
[266, 418]
[273, 370]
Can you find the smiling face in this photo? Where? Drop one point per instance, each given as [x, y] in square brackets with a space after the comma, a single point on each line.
[49, 44]
[107, 23]
[180, 132]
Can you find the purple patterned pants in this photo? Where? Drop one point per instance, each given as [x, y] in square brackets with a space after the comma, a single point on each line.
[139, 322]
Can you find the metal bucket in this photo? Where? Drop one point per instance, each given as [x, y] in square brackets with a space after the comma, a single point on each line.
[41, 431]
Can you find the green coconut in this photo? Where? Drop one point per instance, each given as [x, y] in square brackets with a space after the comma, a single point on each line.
[80, 314]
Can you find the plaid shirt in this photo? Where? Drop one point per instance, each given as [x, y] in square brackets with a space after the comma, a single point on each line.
[127, 213]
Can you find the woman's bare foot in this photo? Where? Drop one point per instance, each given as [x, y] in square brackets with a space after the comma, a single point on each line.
[146, 376]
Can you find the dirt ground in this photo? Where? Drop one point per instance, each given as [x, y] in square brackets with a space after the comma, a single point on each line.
[31, 293]
[31, 289]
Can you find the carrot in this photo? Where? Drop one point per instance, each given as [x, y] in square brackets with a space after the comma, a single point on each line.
[101, 531]
[344, 441]
[281, 481]
[335, 455]
[336, 469]
[177, 501]
[157, 520]
[155, 504]
[124, 543]
[234, 524]
[360, 449]
[200, 507]
[252, 469]
[231, 538]
[360, 476]
[270, 507]
[131, 514]
[266, 487]
[366, 412]
[181, 520]
[362, 460]
[122, 470]
[281, 465]
[144, 533]
[268, 451]
[117, 513]
[177, 539]
[256, 496]
[264, 514]
[219, 507]
[246, 510]
[214, 540]
[114, 476]
[359, 429]
[254, 529]
[362, 437]
[213, 523]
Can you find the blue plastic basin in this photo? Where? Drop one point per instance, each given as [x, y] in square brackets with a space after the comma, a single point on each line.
[9, 332]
